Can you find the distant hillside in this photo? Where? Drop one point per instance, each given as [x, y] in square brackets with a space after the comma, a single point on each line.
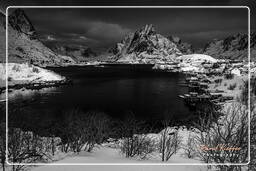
[78, 53]
[23, 44]
[145, 46]
[184, 47]
[233, 47]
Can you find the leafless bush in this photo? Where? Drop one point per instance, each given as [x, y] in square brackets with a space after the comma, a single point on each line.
[232, 86]
[83, 130]
[169, 141]
[138, 145]
[229, 76]
[135, 143]
[189, 147]
[25, 147]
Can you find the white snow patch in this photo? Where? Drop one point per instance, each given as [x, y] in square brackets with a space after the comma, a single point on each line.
[236, 71]
[197, 58]
[26, 72]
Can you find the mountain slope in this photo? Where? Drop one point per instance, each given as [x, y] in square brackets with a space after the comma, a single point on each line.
[184, 47]
[233, 47]
[23, 44]
[145, 46]
[78, 53]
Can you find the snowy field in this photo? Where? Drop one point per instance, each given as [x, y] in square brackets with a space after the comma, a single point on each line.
[25, 73]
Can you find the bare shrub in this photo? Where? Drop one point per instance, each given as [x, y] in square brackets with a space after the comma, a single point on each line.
[36, 70]
[169, 141]
[135, 143]
[229, 76]
[189, 147]
[218, 81]
[138, 145]
[81, 131]
[232, 86]
[25, 147]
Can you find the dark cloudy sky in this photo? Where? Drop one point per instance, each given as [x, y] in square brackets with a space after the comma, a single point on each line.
[102, 28]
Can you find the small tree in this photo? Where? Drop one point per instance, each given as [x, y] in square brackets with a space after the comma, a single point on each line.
[169, 141]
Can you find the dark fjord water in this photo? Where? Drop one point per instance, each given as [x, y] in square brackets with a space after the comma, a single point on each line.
[115, 90]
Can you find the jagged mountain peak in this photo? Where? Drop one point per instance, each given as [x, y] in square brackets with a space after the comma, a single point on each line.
[148, 29]
[145, 46]
[20, 22]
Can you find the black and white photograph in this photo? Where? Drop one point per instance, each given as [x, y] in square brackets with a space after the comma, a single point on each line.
[127, 85]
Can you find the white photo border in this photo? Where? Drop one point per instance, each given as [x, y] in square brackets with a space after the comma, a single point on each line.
[127, 164]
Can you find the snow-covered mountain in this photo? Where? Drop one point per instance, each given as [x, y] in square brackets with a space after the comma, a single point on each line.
[78, 53]
[23, 44]
[233, 47]
[145, 46]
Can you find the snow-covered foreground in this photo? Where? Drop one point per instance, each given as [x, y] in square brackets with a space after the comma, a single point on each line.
[25, 73]
[108, 155]
[121, 168]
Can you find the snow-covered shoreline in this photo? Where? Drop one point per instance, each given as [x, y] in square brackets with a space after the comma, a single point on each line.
[28, 76]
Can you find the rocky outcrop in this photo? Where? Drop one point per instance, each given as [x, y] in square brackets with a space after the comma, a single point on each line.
[184, 47]
[145, 46]
[233, 47]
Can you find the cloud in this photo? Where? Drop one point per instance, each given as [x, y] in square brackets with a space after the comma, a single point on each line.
[105, 30]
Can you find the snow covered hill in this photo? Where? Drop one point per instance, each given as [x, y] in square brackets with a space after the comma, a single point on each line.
[194, 62]
[145, 46]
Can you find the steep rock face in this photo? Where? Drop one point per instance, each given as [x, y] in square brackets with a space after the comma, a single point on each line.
[145, 46]
[184, 47]
[233, 47]
[78, 53]
[23, 44]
